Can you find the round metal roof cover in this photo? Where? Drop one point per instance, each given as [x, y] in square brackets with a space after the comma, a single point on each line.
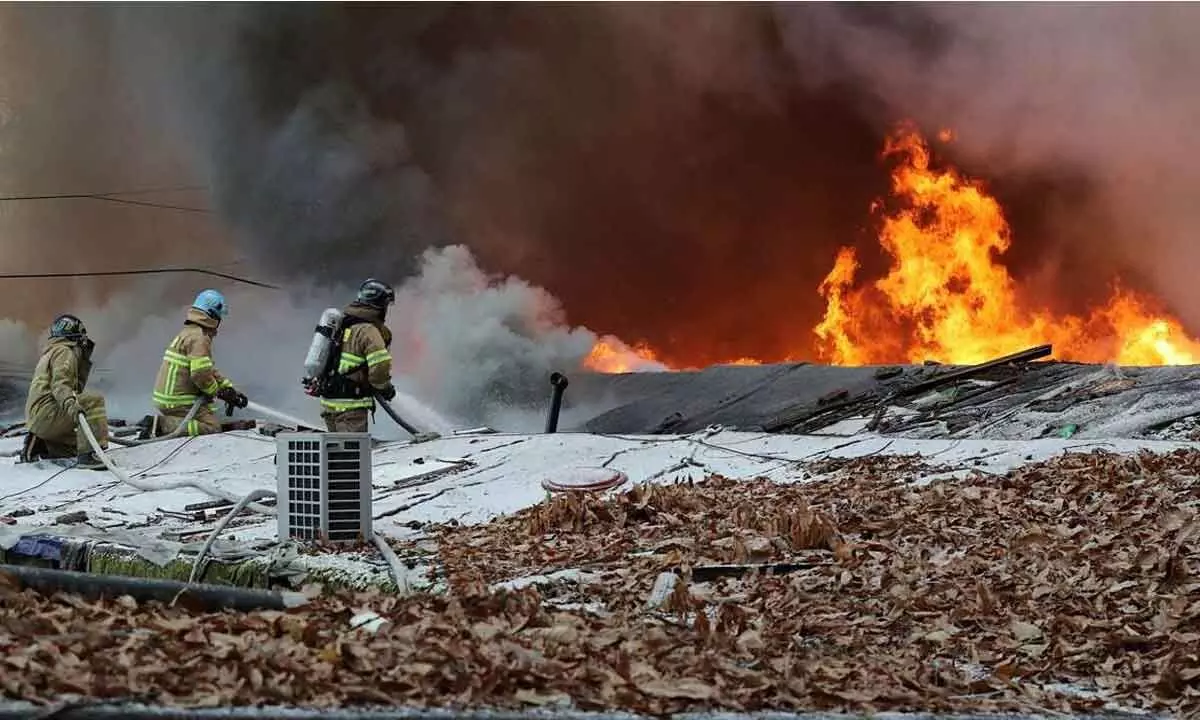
[584, 479]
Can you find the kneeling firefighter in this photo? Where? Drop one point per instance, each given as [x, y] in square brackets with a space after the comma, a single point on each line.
[56, 398]
[349, 361]
[187, 371]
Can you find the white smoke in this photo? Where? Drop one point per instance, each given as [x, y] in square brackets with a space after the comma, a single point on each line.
[482, 347]
[468, 347]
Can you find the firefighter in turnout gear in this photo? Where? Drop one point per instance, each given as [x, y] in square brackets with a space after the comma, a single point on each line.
[56, 398]
[364, 366]
[187, 372]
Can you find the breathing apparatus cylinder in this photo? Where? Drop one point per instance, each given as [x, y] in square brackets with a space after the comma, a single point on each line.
[320, 351]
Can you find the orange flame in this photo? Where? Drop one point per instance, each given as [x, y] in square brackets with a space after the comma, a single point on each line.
[947, 298]
[610, 355]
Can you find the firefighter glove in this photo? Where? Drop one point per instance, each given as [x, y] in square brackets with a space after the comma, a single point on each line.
[233, 397]
[387, 392]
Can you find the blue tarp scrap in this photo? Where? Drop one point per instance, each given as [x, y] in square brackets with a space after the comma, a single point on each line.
[68, 553]
[40, 546]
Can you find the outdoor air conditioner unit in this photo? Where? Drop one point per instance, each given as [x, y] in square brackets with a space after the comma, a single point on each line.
[324, 482]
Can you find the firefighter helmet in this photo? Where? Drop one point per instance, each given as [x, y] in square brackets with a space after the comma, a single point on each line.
[212, 303]
[68, 326]
[376, 294]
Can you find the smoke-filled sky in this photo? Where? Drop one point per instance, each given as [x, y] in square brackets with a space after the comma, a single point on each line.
[677, 174]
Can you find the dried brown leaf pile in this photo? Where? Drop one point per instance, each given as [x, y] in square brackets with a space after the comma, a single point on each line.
[952, 595]
[717, 521]
[969, 596]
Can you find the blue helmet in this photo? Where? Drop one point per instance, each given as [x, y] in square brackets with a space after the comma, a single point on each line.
[212, 303]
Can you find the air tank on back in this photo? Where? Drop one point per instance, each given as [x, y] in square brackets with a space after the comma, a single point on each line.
[319, 351]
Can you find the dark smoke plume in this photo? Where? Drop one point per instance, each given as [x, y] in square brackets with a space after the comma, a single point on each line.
[680, 174]
[300, 117]
[646, 164]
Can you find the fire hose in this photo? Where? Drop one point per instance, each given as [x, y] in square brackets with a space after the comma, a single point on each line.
[237, 508]
[151, 487]
[391, 411]
[394, 564]
[399, 572]
[417, 435]
[287, 419]
[253, 406]
[173, 434]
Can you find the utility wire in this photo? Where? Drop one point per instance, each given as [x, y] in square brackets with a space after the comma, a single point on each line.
[142, 203]
[40, 484]
[142, 271]
[58, 196]
[113, 197]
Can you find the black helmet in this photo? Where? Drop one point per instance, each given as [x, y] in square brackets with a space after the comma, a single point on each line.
[68, 326]
[376, 294]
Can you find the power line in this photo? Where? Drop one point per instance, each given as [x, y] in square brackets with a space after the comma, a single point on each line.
[113, 197]
[144, 271]
[114, 193]
[143, 203]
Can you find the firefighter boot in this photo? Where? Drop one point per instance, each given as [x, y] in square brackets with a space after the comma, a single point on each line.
[88, 461]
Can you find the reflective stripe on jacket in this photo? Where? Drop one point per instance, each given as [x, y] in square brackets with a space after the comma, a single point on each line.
[187, 371]
[364, 360]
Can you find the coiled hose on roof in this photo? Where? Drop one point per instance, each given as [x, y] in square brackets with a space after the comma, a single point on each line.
[151, 487]
[397, 568]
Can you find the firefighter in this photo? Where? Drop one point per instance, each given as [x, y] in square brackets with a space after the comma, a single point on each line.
[364, 366]
[187, 372]
[56, 398]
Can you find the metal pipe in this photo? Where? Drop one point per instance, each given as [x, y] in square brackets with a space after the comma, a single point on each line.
[558, 383]
[206, 597]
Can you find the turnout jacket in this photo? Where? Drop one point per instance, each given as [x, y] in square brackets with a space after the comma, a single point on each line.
[364, 365]
[59, 377]
[187, 371]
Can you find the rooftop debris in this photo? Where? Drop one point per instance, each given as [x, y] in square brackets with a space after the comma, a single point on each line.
[980, 595]
[877, 399]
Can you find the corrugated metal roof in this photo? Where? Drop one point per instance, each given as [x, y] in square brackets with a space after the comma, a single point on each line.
[1019, 401]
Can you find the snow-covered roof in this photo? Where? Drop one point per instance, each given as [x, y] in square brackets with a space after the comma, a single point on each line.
[468, 479]
[857, 424]
[981, 422]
